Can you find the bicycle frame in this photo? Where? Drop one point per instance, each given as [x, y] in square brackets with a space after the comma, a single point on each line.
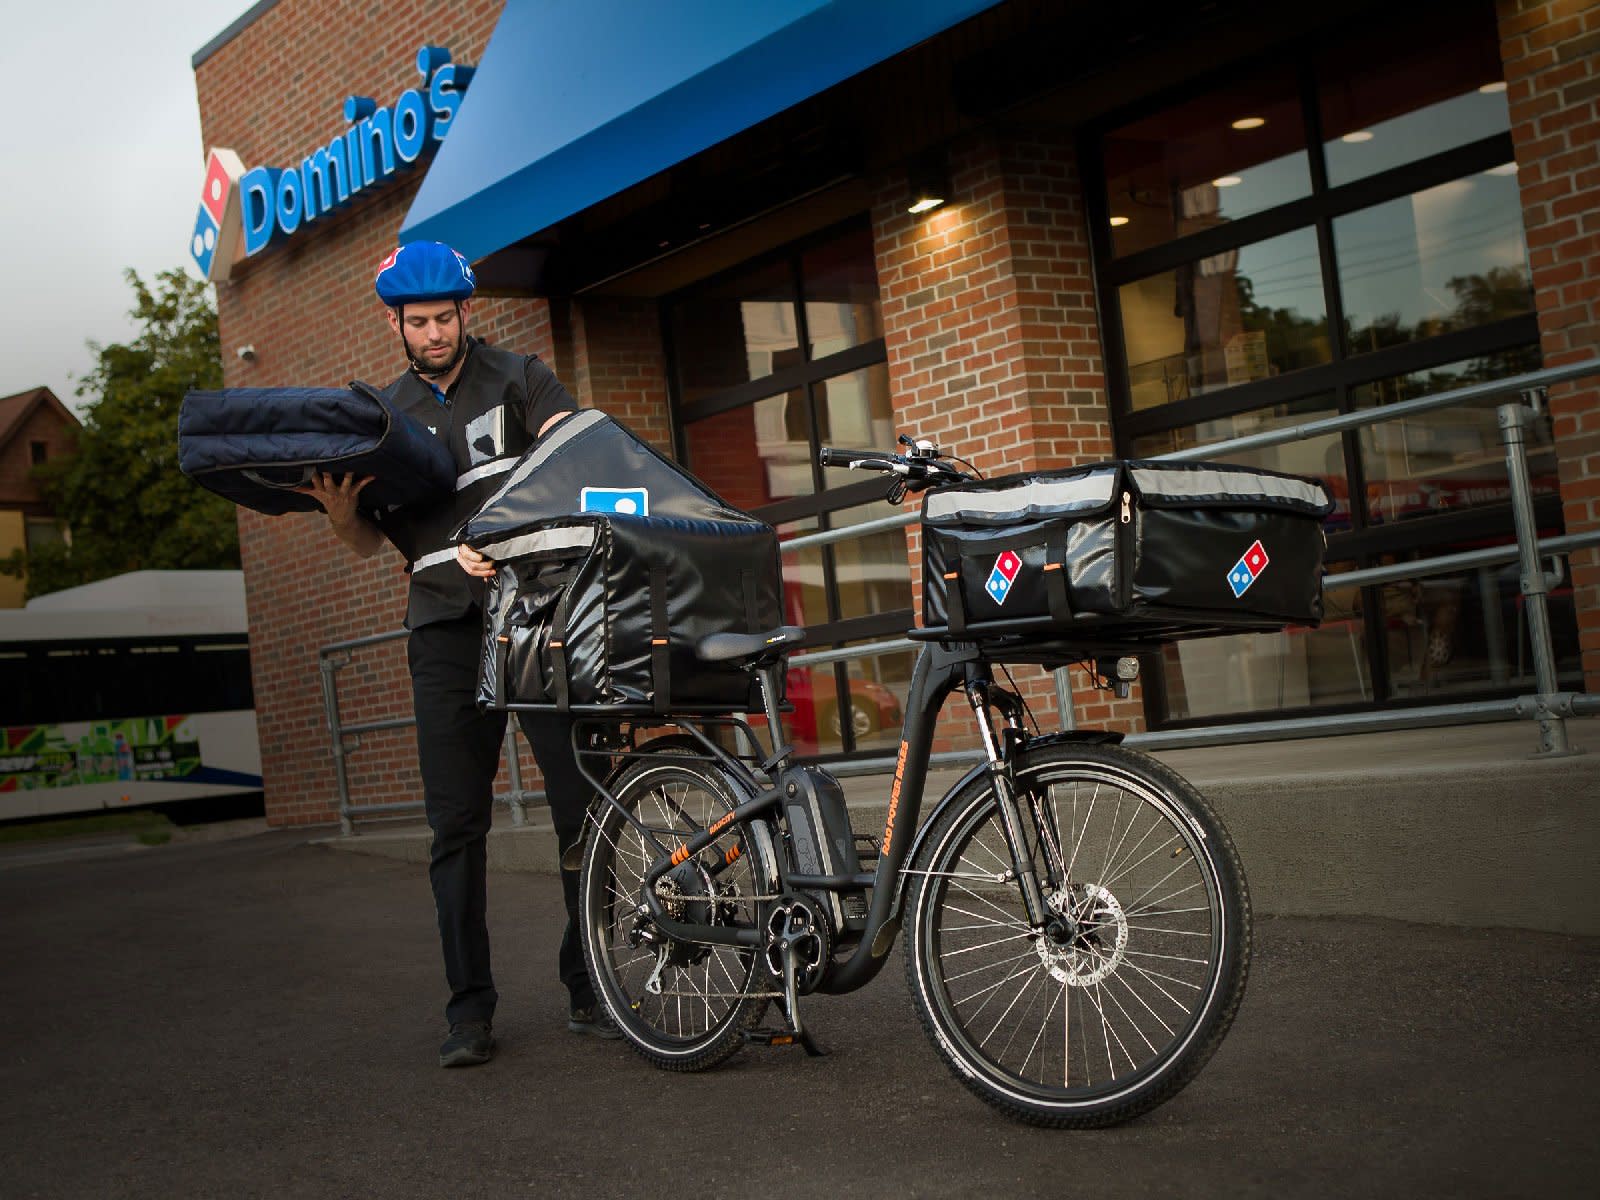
[939, 670]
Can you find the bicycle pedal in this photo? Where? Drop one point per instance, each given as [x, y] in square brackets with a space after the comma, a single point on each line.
[771, 1037]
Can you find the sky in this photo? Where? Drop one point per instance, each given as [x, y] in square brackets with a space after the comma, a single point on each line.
[102, 168]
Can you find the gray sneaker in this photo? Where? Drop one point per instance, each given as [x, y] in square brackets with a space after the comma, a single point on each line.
[595, 1021]
[469, 1043]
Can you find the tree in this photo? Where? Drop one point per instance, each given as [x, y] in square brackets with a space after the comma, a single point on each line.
[122, 497]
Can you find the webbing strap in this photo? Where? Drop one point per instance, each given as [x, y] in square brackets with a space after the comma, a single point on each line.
[660, 647]
[956, 616]
[1055, 575]
[557, 647]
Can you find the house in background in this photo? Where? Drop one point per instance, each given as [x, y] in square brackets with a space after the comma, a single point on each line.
[35, 428]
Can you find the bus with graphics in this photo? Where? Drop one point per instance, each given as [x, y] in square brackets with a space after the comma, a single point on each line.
[130, 692]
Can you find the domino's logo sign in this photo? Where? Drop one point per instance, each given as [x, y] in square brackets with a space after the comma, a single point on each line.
[243, 212]
[633, 502]
[1248, 569]
[215, 244]
[1003, 576]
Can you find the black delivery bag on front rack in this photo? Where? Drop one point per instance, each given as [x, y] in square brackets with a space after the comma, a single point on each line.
[613, 563]
[1148, 551]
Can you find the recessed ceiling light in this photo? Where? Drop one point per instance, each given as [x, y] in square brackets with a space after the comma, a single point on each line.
[1359, 135]
[1489, 89]
[1119, 221]
[1509, 168]
[1228, 181]
[1249, 122]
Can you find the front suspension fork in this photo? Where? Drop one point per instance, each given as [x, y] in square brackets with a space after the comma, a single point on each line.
[997, 749]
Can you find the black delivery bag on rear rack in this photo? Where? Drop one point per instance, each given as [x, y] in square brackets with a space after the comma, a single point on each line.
[613, 563]
[254, 446]
[1133, 550]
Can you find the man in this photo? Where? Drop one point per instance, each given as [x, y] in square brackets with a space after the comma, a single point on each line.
[488, 406]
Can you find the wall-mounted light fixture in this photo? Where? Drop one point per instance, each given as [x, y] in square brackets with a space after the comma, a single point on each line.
[929, 183]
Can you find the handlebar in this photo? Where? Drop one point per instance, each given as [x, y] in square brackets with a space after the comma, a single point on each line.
[922, 468]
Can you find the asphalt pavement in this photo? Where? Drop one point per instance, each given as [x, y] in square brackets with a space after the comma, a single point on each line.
[261, 1016]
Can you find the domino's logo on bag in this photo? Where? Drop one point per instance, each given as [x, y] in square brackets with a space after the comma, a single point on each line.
[634, 502]
[1003, 576]
[1248, 569]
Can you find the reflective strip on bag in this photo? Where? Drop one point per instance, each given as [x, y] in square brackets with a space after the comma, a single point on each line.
[1213, 484]
[572, 537]
[1035, 497]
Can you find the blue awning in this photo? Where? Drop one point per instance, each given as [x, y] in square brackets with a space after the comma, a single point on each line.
[573, 103]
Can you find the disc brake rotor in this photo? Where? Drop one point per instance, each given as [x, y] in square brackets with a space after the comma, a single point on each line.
[1098, 943]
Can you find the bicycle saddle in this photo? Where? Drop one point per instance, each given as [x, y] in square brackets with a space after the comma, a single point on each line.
[758, 647]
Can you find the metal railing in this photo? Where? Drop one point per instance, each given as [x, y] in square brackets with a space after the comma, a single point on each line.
[1547, 705]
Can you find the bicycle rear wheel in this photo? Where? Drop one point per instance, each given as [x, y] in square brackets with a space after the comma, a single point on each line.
[683, 1006]
[1118, 1006]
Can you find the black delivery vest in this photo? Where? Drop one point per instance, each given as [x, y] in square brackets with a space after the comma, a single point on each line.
[485, 428]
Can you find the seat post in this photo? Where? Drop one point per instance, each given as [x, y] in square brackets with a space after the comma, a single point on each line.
[768, 677]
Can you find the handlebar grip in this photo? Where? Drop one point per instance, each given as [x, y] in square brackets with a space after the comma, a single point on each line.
[830, 456]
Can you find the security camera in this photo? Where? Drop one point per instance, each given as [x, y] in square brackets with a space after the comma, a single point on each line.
[248, 353]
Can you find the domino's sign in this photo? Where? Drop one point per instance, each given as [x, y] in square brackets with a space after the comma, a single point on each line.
[243, 212]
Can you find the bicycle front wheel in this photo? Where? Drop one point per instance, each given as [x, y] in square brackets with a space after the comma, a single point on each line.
[684, 1006]
[1124, 996]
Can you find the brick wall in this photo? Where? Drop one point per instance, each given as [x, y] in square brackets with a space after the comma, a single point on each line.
[618, 364]
[992, 341]
[1551, 51]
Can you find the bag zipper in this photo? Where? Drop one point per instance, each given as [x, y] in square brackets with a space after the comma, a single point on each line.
[1123, 584]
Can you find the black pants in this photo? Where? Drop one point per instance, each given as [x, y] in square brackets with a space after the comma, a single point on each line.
[460, 749]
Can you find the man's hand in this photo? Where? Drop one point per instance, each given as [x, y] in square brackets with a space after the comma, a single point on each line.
[338, 494]
[474, 563]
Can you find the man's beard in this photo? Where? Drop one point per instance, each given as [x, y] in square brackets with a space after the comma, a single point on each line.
[421, 367]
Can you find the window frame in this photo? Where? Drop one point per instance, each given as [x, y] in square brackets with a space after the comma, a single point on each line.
[1363, 543]
[819, 505]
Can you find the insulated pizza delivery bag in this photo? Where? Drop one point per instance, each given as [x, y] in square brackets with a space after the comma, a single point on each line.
[255, 446]
[1142, 550]
[613, 562]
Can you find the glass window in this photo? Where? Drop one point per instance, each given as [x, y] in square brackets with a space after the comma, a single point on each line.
[1228, 319]
[1450, 458]
[1451, 257]
[805, 593]
[1414, 92]
[1210, 160]
[755, 454]
[734, 330]
[1264, 672]
[871, 570]
[869, 713]
[877, 689]
[840, 285]
[759, 453]
[1467, 631]
[855, 412]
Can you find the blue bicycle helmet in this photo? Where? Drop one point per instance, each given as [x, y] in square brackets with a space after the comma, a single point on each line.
[421, 271]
